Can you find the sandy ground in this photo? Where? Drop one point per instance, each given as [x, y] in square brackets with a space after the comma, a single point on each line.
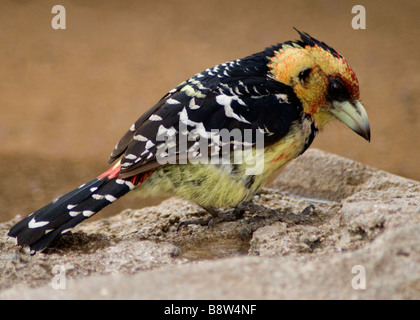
[66, 96]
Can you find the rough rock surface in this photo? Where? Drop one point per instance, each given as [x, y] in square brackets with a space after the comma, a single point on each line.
[365, 223]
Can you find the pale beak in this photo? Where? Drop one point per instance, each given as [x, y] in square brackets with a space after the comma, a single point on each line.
[352, 115]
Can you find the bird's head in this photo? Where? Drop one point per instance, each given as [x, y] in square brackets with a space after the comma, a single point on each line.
[323, 81]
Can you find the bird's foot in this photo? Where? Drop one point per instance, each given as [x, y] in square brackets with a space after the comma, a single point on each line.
[264, 215]
[216, 216]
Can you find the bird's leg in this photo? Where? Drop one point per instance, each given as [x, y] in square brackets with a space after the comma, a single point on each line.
[269, 213]
[263, 214]
[224, 215]
[216, 216]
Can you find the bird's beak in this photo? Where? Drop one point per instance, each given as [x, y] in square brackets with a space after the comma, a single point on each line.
[352, 115]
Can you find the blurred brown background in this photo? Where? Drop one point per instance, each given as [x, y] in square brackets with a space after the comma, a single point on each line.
[67, 96]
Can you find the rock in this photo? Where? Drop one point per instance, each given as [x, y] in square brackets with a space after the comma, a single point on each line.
[361, 242]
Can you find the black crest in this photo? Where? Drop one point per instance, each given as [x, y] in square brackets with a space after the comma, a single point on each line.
[307, 40]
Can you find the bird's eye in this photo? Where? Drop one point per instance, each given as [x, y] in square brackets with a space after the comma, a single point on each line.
[303, 75]
[337, 91]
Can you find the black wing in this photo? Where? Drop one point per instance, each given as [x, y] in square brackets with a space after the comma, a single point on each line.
[230, 96]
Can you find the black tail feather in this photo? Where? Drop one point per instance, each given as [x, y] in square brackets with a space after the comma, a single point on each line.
[42, 227]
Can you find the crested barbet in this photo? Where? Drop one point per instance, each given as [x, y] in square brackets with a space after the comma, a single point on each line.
[269, 106]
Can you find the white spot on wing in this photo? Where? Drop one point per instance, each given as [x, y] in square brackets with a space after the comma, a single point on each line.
[155, 117]
[88, 213]
[126, 164]
[192, 104]
[172, 101]
[282, 98]
[37, 224]
[139, 137]
[110, 198]
[265, 131]
[74, 213]
[161, 131]
[128, 183]
[226, 101]
[149, 144]
[199, 126]
[131, 156]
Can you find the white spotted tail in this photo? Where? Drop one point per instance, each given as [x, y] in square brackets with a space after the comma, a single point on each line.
[42, 227]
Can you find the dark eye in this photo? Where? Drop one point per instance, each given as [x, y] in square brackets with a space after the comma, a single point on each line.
[337, 91]
[303, 75]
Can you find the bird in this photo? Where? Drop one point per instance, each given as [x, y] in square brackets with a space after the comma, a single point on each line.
[269, 105]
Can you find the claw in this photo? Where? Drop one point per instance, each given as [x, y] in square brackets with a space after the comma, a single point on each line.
[216, 216]
[199, 221]
[266, 216]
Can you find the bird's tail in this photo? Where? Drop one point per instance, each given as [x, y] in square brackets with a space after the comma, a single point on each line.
[40, 228]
